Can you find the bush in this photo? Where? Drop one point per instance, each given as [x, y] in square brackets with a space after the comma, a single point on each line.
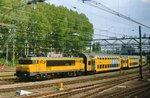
[10, 62]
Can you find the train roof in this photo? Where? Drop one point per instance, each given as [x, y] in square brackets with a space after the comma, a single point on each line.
[59, 58]
[94, 55]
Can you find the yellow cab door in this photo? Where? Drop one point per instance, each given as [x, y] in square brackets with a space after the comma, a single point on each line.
[41, 67]
[93, 64]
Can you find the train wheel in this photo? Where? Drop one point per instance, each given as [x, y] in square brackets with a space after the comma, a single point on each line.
[74, 74]
[48, 76]
[38, 77]
[53, 75]
[69, 74]
[79, 73]
[43, 76]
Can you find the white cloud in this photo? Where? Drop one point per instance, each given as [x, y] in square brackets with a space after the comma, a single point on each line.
[146, 1]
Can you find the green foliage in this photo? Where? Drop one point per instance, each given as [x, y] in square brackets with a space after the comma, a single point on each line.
[10, 62]
[45, 27]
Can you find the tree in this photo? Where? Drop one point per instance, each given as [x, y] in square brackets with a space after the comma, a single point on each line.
[47, 26]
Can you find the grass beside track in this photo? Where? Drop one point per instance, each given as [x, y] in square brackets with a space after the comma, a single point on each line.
[3, 74]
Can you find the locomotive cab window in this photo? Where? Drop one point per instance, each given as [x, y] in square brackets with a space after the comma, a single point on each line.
[27, 61]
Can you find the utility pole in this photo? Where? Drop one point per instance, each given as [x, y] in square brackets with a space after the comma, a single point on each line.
[7, 53]
[140, 44]
[13, 52]
[25, 48]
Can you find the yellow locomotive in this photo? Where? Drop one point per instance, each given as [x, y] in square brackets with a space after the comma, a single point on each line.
[48, 67]
[45, 67]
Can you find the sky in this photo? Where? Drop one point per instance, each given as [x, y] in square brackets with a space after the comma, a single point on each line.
[107, 25]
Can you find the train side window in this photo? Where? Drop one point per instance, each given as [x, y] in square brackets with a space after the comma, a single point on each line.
[89, 62]
[60, 62]
[37, 61]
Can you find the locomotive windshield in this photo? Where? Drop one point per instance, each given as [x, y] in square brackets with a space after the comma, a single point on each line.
[27, 62]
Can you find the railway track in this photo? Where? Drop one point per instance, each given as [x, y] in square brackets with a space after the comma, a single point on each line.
[91, 84]
[42, 84]
[12, 86]
[7, 76]
[132, 92]
[11, 79]
[90, 89]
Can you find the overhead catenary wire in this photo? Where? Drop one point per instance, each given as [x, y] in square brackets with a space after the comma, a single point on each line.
[109, 10]
[102, 35]
[110, 32]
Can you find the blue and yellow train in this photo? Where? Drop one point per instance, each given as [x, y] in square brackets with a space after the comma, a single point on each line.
[49, 67]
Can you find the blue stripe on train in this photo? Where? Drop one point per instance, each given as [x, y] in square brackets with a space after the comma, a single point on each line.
[135, 63]
[114, 63]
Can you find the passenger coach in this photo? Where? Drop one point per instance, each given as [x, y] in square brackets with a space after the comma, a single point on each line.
[98, 63]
